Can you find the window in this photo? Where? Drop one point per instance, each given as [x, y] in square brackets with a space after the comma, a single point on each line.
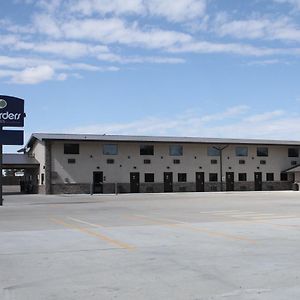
[211, 151]
[270, 176]
[283, 176]
[293, 152]
[147, 161]
[213, 161]
[146, 150]
[71, 148]
[176, 161]
[110, 149]
[241, 151]
[262, 151]
[176, 150]
[110, 161]
[263, 162]
[242, 176]
[241, 161]
[149, 177]
[181, 177]
[213, 177]
[71, 160]
[43, 178]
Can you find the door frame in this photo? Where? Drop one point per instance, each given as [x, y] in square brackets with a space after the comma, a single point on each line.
[168, 185]
[97, 188]
[258, 183]
[134, 184]
[200, 184]
[229, 184]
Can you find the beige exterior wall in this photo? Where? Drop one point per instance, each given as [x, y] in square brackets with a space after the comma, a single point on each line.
[194, 159]
[38, 151]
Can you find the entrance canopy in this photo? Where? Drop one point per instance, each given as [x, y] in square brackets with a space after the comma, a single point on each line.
[294, 169]
[19, 161]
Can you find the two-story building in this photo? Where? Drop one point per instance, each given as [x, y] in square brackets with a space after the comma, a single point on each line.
[78, 163]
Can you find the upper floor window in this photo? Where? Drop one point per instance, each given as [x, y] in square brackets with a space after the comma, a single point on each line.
[71, 148]
[146, 150]
[293, 152]
[110, 149]
[212, 151]
[262, 151]
[241, 151]
[176, 150]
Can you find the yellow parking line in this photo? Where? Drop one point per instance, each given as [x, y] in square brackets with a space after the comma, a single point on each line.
[179, 224]
[84, 222]
[252, 222]
[95, 234]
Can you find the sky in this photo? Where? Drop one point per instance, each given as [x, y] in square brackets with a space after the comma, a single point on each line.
[207, 68]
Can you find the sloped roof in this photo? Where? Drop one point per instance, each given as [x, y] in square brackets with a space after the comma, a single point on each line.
[18, 160]
[293, 169]
[158, 139]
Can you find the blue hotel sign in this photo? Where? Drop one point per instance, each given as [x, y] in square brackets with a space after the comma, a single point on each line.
[11, 111]
[11, 115]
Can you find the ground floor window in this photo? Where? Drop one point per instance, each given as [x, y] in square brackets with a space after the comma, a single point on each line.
[213, 177]
[181, 177]
[149, 177]
[270, 176]
[284, 176]
[242, 176]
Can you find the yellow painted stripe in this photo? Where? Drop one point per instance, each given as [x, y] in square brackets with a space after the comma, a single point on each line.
[86, 223]
[95, 234]
[180, 224]
[252, 222]
[273, 217]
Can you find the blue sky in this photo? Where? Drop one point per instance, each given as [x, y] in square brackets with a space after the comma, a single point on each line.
[206, 68]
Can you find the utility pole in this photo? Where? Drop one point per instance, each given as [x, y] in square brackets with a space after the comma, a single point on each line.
[220, 149]
[1, 161]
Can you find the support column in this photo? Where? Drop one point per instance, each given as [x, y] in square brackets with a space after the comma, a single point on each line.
[48, 168]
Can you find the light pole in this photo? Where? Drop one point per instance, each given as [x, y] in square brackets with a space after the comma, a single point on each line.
[220, 149]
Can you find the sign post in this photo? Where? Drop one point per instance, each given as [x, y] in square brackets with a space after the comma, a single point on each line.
[11, 115]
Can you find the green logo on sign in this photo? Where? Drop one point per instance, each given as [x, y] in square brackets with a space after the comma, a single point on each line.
[3, 103]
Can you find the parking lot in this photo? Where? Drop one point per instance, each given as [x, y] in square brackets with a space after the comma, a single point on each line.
[151, 246]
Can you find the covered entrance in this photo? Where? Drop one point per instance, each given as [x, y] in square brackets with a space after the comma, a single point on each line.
[295, 172]
[20, 174]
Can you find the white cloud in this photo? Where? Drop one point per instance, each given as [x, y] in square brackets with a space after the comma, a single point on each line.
[176, 11]
[259, 28]
[46, 24]
[62, 76]
[49, 5]
[229, 48]
[34, 75]
[230, 112]
[7, 73]
[267, 62]
[179, 10]
[139, 59]
[117, 31]
[294, 3]
[265, 116]
[103, 7]
[23, 70]
[266, 125]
